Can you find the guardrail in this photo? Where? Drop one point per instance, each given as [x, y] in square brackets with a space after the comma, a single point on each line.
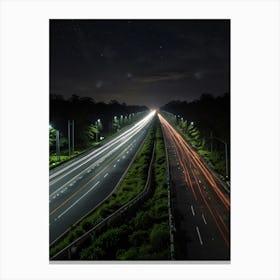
[170, 214]
[71, 251]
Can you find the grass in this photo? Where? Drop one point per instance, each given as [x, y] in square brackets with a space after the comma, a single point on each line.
[132, 185]
[145, 235]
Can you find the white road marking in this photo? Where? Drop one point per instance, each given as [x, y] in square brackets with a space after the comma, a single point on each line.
[204, 220]
[192, 210]
[106, 175]
[199, 236]
[78, 200]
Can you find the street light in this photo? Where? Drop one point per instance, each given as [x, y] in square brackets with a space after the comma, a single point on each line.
[96, 125]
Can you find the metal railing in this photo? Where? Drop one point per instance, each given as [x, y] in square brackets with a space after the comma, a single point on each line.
[70, 251]
[170, 215]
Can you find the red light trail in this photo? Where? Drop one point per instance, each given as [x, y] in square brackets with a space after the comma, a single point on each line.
[196, 175]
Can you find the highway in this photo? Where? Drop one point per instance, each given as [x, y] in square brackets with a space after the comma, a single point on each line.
[78, 186]
[199, 201]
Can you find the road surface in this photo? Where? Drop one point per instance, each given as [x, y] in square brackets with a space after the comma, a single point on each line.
[79, 185]
[200, 203]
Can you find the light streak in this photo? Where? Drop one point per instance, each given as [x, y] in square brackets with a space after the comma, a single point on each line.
[61, 173]
[193, 169]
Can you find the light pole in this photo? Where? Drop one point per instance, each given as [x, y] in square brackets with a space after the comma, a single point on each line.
[96, 125]
[57, 145]
[70, 123]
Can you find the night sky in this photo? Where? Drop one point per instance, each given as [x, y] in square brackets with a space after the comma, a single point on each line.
[141, 62]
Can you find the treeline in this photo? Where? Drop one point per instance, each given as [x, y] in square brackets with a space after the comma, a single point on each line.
[205, 124]
[211, 115]
[86, 112]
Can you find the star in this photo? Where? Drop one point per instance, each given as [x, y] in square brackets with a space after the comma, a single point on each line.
[128, 75]
[99, 84]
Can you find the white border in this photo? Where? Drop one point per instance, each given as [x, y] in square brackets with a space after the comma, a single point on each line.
[255, 138]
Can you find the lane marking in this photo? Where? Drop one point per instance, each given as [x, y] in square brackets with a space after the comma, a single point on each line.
[199, 236]
[136, 128]
[204, 220]
[192, 210]
[106, 175]
[84, 186]
[65, 211]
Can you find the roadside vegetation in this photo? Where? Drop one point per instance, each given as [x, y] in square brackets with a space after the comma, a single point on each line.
[145, 234]
[94, 123]
[214, 155]
[132, 185]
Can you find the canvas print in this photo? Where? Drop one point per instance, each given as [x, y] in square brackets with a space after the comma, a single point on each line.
[139, 140]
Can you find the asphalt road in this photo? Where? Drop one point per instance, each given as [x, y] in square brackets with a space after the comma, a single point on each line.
[76, 187]
[200, 203]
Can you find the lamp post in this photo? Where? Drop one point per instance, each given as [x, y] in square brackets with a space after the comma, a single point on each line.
[70, 123]
[57, 145]
[96, 125]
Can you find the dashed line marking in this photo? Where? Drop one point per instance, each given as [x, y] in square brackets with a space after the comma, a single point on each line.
[199, 236]
[78, 200]
[192, 210]
[106, 175]
[204, 220]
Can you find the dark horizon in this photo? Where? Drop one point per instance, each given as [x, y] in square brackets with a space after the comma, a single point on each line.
[143, 62]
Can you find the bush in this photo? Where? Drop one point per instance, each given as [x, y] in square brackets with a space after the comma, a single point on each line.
[159, 236]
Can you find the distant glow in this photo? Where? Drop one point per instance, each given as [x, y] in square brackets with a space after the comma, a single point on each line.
[118, 141]
[192, 123]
